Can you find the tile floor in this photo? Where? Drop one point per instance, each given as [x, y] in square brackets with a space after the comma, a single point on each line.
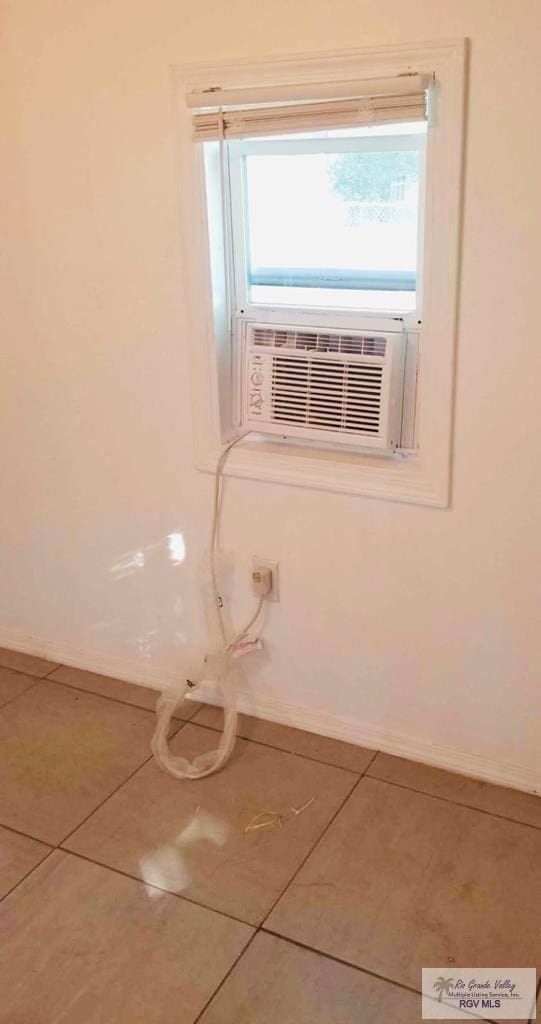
[131, 898]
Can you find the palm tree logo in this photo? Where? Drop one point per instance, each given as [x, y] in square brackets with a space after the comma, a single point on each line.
[443, 985]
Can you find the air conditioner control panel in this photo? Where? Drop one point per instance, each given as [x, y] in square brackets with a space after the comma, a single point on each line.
[258, 386]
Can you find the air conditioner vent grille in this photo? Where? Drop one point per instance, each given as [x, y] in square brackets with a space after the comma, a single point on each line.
[319, 341]
[327, 394]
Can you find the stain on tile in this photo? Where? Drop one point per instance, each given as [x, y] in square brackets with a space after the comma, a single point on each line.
[61, 753]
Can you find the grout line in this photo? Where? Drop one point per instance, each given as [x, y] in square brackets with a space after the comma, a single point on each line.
[340, 960]
[125, 874]
[21, 672]
[257, 928]
[104, 801]
[456, 803]
[197, 710]
[53, 847]
[318, 840]
[66, 849]
[532, 1020]
[50, 672]
[115, 790]
[92, 693]
[261, 742]
[152, 885]
[179, 895]
[370, 763]
[107, 696]
[225, 977]
[271, 746]
[22, 693]
[201, 725]
[56, 846]
[282, 750]
[27, 835]
[364, 773]
[362, 970]
[28, 873]
[25, 672]
[311, 850]
[260, 927]
[537, 997]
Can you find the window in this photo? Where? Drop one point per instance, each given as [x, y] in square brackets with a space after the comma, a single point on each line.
[316, 232]
[331, 200]
[329, 223]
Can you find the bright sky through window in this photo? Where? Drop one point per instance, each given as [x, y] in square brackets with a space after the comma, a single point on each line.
[334, 229]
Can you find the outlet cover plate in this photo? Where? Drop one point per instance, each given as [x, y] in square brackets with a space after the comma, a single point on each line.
[267, 563]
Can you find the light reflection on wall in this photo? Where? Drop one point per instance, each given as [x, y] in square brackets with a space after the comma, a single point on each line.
[153, 593]
[133, 561]
[129, 564]
[177, 548]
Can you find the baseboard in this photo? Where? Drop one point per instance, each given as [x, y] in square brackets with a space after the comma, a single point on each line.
[131, 671]
[349, 730]
[375, 737]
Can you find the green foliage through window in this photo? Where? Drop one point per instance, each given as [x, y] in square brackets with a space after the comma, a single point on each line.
[372, 177]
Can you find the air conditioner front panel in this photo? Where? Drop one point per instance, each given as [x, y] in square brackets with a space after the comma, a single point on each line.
[327, 385]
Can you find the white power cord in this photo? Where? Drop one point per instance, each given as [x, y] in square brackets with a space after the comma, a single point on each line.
[214, 532]
[220, 665]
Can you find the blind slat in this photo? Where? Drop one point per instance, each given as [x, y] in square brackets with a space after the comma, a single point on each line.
[236, 123]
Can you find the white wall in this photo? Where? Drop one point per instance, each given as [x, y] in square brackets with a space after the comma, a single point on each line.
[400, 620]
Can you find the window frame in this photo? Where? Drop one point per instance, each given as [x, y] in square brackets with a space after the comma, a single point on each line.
[235, 152]
[419, 477]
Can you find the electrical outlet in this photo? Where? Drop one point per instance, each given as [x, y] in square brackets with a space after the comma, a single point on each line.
[263, 565]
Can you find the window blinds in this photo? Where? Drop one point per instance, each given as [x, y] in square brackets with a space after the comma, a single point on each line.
[278, 110]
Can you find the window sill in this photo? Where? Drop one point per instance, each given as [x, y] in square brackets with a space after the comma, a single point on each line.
[393, 478]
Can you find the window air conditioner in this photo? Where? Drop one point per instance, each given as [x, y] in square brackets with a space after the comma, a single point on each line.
[322, 385]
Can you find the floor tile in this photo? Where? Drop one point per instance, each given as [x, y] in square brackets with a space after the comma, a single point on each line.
[61, 753]
[13, 683]
[88, 946]
[189, 836]
[18, 855]
[128, 693]
[25, 662]
[402, 880]
[510, 803]
[275, 982]
[295, 741]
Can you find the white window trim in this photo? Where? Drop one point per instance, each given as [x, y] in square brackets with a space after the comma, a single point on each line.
[422, 478]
